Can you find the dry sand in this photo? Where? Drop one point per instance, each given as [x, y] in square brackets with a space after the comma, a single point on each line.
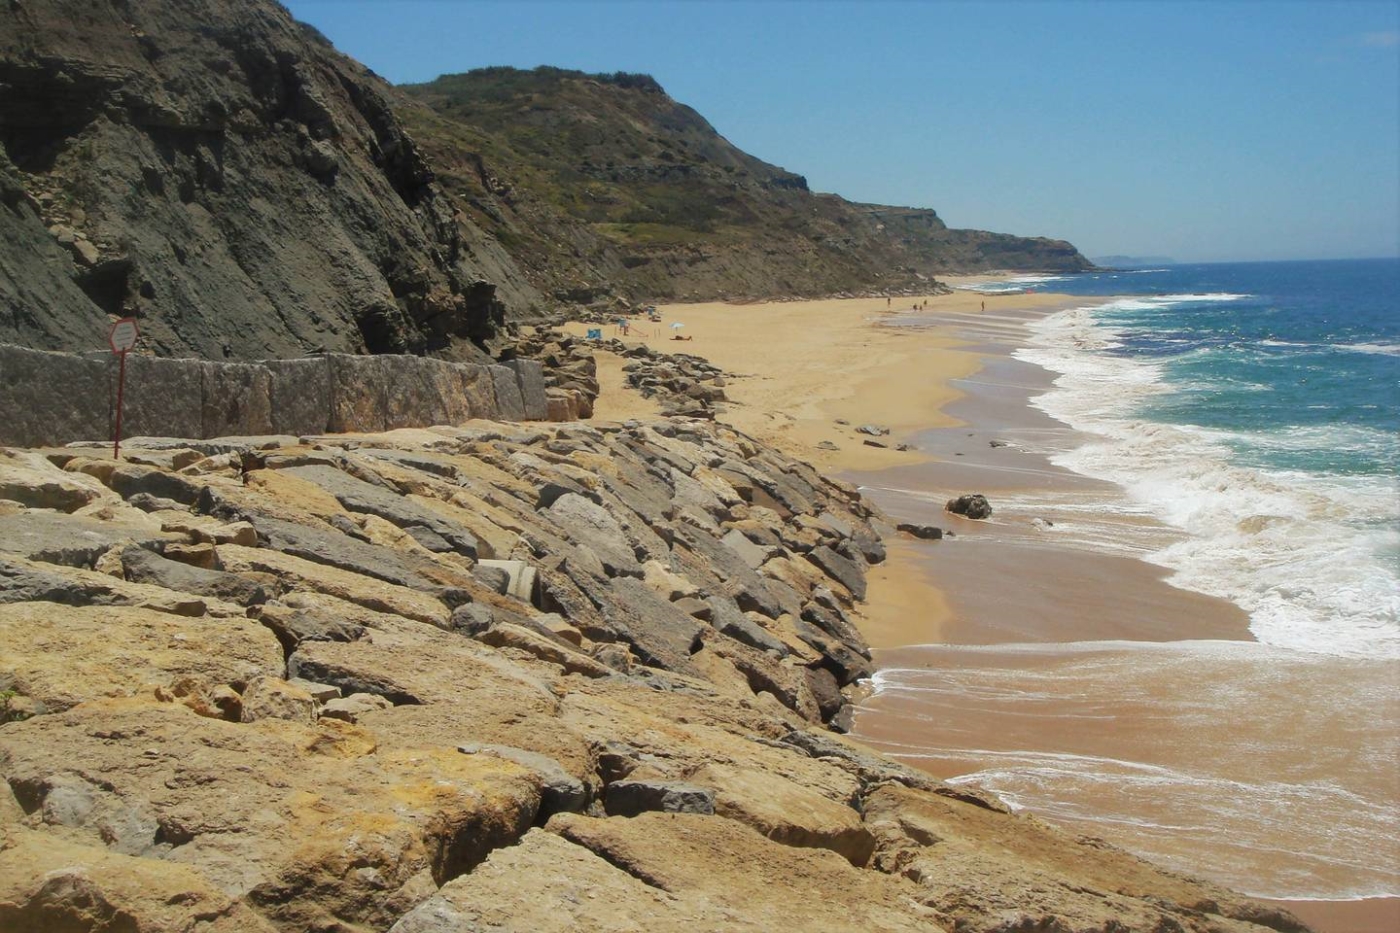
[798, 367]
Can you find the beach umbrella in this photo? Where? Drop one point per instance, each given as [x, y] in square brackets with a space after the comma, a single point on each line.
[677, 326]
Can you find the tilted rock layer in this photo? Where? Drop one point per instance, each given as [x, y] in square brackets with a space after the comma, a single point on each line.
[222, 173]
[486, 677]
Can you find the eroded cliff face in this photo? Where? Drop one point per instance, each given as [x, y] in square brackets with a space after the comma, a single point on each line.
[220, 172]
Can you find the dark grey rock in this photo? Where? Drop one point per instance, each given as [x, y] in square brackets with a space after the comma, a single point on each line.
[529, 375]
[510, 404]
[825, 690]
[496, 579]
[844, 662]
[737, 579]
[841, 569]
[143, 566]
[472, 619]
[359, 496]
[561, 792]
[59, 538]
[835, 624]
[430, 539]
[588, 523]
[292, 626]
[21, 584]
[754, 555]
[131, 479]
[874, 430]
[973, 505]
[867, 543]
[338, 550]
[925, 532]
[629, 798]
[727, 618]
[660, 634]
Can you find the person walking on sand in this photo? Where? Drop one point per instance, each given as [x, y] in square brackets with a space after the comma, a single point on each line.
[984, 305]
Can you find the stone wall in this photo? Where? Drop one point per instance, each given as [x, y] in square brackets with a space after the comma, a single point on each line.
[54, 398]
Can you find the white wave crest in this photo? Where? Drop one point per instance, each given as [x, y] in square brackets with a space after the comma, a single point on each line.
[1311, 557]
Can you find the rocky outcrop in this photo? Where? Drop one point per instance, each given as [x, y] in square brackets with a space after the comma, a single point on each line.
[220, 172]
[485, 676]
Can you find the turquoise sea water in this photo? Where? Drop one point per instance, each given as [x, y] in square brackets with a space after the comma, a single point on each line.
[1255, 406]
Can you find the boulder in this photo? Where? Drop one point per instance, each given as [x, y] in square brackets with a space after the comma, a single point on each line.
[359, 496]
[143, 566]
[59, 656]
[31, 480]
[529, 375]
[268, 811]
[274, 698]
[921, 531]
[629, 798]
[560, 791]
[841, 569]
[973, 505]
[73, 540]
[352, 707]
[51, 884]
[588, 523]
[720, 875]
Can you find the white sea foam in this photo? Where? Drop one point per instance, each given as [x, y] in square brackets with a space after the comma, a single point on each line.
[1309, 556]
[1383, 349]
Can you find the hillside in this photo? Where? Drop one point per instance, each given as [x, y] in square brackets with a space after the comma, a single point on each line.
[219, 171]
[222, 173]
[595, 181]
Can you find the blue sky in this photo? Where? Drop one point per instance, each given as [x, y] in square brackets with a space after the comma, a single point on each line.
[1228, 130]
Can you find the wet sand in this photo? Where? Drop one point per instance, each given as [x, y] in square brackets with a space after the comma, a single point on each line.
[1067, 675]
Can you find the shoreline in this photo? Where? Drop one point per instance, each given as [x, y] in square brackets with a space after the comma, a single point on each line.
[863, 374]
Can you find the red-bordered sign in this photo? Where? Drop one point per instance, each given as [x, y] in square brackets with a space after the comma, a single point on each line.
[123, 335]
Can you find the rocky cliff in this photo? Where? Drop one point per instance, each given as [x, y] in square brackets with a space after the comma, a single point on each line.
[602, 183]
[220, 172]
[484, 677]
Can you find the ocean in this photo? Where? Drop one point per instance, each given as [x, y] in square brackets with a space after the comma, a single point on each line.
[1242, 422]
[1257, 407]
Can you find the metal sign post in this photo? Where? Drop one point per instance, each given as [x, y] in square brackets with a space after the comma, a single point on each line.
[122, 337]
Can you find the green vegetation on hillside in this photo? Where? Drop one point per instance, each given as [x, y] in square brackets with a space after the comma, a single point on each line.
[605, 179]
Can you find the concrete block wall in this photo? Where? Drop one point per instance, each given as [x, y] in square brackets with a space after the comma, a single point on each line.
[54, 398]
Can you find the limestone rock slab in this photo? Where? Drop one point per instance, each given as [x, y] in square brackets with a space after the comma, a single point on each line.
[62, 655]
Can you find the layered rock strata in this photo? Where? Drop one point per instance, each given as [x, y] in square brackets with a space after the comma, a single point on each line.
[487, 677]
[221, 172]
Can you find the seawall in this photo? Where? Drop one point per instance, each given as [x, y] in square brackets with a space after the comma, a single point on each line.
[55, 398]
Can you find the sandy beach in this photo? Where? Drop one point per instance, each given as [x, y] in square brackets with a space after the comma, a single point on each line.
[1052, 569]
